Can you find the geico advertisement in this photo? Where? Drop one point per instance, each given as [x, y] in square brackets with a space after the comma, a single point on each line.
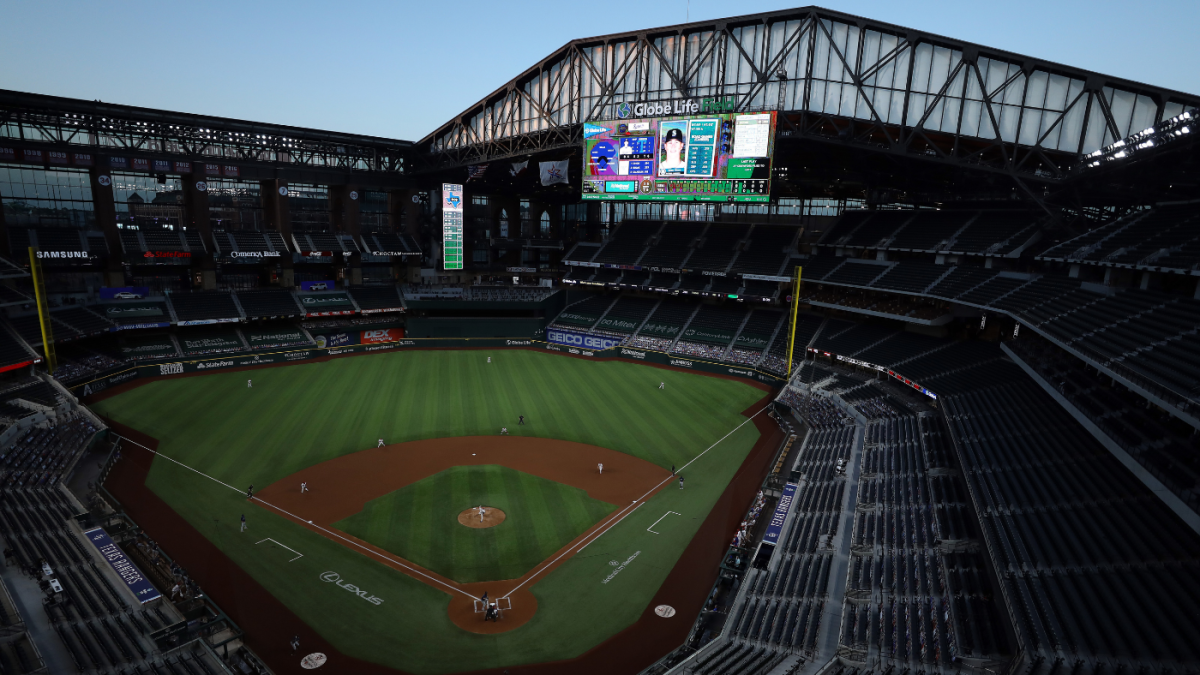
[564, 337]
[381, 335]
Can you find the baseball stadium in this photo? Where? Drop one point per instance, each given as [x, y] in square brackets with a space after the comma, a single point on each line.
[793, 343]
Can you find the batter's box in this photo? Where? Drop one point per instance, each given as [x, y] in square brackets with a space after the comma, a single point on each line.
[502, 604]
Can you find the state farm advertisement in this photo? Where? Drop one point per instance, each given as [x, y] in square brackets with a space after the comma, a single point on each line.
[381, 335]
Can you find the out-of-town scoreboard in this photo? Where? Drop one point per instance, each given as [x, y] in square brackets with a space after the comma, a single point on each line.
[452, 226]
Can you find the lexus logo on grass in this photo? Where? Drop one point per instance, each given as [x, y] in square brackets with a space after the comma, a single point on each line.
[336, 578]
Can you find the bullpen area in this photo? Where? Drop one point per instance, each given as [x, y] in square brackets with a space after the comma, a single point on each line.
[378, 553]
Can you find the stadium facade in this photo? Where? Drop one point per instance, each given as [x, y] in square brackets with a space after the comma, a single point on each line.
[969, 277]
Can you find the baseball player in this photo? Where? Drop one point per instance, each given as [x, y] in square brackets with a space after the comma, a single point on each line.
[662, 385]
[303, 488]
[680, 481]
[601, 466]
[489, 359]
[380, 443]
[481, 512]
[249, 384]
[521, 419]
[243, 523]
[250, 492]
[503, 431]
[295, 643]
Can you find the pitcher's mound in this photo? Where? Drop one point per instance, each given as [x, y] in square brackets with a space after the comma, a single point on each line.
[491, 517]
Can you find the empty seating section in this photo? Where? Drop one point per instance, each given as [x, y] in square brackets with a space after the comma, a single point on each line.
[755, 336]
[194, 242]
[29, 327]
[584, 314]
[55, 239]
[1165, 237]
[606, 276]
[376, 297]
[83, 320]
[1148, 437]
[208, 341]
[385, 243]
[930, 230]
[163, 240]
[777, 354]
[901, 347]
[766, 251]
[1091, 563]
[876, 231]
[760, 289]
[849, 342]
[498, 293]
[672, 245]
[204, 306]
[782, 606]
[664, 325]
[995, 232]
[855, 273]
[12, 352]
[910, 276]
[320, 241]
[248, 240]
[991, 290]
[960, 280]
[693, 282]
[955, 358]
[39, 455]
[724, 285]
[626, 315]
[908, 601]
[627, 242]
[817, 267]
[268, 303]
[711, 331]
[720, 242]
[130, 241]
[840, 231]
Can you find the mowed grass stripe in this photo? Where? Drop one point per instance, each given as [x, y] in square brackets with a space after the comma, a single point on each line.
[420, 522]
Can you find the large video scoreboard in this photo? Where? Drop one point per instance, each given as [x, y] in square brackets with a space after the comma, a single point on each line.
[707, 158]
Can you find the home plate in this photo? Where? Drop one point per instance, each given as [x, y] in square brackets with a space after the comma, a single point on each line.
[314, 660]
[665, 611]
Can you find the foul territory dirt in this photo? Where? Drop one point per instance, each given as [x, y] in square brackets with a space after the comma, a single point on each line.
[341, 487]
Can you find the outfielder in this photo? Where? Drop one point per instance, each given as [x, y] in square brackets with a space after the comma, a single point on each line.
[249, 384]
[243, 523]
[662, 385]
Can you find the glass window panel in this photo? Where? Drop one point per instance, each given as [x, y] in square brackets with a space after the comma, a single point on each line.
[871, 48]
[1171, 109]
[816, 100]
[1015, 91]
[970, 118]
[833, 98]
[1144, 113]
[1072, 126]
[1057, 90]
[974, 92]
[1095, 126]
[1009, 118]
[1121, 108]
[920, 77]
[882, 100]
[1049, 119]
[939, 69]
[1035, 89]
[896, 116]
[1031, 122]
[916, 108]
[950, 114]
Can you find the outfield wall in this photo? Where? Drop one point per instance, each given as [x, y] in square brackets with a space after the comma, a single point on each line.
[162, 368]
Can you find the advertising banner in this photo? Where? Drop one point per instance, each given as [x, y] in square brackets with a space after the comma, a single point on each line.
[584, 340]
[135, 581]
[775, 527]
[208, 322]
[367, 337]
[133, 310]
[124, 292]
[335, 340]
[309, 286]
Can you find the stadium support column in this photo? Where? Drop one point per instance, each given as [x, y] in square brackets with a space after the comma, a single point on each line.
[105, 208]
[345, 208]
[275, 211]
[4, 232]
[195, 214]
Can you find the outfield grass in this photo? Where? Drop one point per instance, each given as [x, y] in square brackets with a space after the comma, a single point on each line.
[419, 522]
[301, 415]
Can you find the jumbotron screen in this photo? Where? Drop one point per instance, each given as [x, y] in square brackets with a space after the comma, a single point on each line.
[705, 158]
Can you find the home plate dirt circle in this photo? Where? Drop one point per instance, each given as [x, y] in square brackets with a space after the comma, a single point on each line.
[491, 517]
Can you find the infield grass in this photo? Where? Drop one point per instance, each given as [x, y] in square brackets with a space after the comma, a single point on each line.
[301, 415]
[419, 522]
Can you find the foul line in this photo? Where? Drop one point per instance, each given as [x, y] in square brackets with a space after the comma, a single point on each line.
[302, 521]
[639, 501]
[648, 529]
[299, 555]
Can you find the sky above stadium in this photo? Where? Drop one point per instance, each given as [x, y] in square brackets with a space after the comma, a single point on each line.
[401, 69]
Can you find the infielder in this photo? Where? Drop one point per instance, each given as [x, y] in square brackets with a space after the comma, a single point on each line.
[601, 466]
[303, 488]
[380, 443]
[489, 359]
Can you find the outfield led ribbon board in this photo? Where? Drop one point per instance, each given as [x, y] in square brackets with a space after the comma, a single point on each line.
[135, 581]
[775, 527]
[702, 158]
[585, 340]
[452, 226]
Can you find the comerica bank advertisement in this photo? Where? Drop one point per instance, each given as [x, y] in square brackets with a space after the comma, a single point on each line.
[714, 157]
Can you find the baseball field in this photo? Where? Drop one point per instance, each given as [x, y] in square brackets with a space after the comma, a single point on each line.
[374, 557]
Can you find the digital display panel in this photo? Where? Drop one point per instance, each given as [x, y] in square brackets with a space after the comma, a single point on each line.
[452, 226]
[715, 157]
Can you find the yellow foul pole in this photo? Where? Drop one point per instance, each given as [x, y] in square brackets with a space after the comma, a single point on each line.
[795, 312]
[39, 291]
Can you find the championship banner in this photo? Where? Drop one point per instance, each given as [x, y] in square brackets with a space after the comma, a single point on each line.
[573, 339]
[775, 528]
[135, 581]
